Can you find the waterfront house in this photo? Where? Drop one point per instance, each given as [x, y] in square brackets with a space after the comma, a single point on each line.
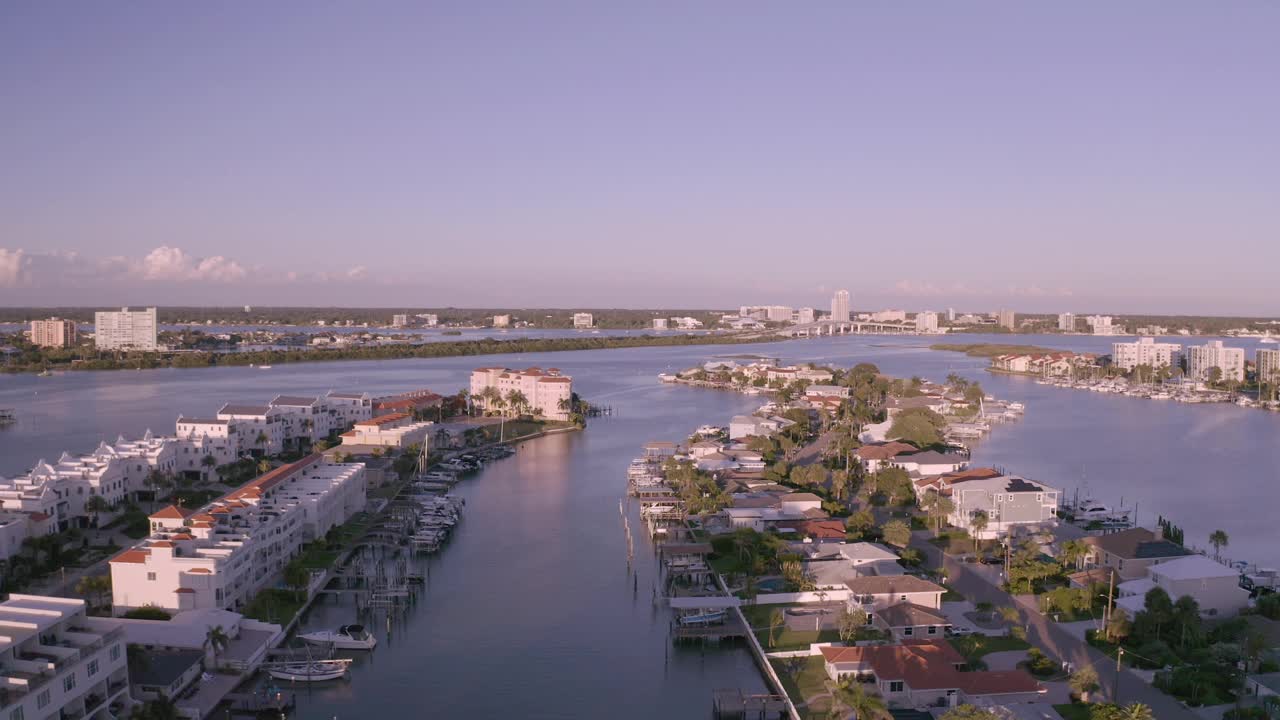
[658, 450]
[1131, 552]
[873, 592]
[929, 462]
[937, 404]
[926, 673]
[57, 662]
[830, 391]
[744, 426]
[1213, 585]
[1009, 502]
[875, 455]
[548, 393]
[910, 621]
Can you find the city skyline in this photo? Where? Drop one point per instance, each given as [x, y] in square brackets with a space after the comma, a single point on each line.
[611, 158]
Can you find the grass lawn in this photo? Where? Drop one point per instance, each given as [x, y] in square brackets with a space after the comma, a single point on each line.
[973, 647]
[810, 680]
[274, 605]
[952, 596]
[759, 617]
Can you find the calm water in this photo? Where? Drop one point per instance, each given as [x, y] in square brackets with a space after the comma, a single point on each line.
[531, 610]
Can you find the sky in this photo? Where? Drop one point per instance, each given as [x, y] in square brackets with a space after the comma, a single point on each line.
[1087, 156]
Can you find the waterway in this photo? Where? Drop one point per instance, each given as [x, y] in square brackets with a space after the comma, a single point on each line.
[531, 611]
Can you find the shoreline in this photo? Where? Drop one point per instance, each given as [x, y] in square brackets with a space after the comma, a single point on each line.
[459, 348]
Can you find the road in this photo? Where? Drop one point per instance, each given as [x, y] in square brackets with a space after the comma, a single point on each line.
[979, 584]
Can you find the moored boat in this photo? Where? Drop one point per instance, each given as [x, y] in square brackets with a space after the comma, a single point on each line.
[347, 637]
[311, 671]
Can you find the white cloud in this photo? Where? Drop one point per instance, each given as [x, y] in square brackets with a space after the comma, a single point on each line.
[171, 263]
[220, 269]
[358, 272]
[13, 267]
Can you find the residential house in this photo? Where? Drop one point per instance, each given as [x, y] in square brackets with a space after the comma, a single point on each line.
[1213, 585]
[1131, 552]
[927, 673]
[910, 621]
[871, 593]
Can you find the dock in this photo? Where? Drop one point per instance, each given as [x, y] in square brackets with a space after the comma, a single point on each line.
[737, 705]
[731, 629]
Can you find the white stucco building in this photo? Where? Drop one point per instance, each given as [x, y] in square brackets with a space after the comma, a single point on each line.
[1201, 359]
[396, 430]
[57, 662]
[222, 554]
[1145, 351]
[125, 330]
[583, 320]
[547, 392]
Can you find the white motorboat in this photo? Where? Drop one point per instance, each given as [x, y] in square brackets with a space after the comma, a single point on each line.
[347, 637]
[709, 617]
[309, 671]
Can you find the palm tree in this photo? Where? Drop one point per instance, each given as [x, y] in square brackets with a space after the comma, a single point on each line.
[517, 401]
[1083, 682]
[1011, 615]
[849, 693]
[261, 440]
[1136, 711]
[1073, 552]
[156, 480]
[977, 525]
[264, 466]
[97, 505]
[776, 618]
[1218, 539]
[217, 640]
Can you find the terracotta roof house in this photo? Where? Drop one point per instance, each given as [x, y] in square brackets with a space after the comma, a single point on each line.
[927, 673]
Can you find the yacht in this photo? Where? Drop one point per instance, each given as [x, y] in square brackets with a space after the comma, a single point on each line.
[312, 671]
[347, 637]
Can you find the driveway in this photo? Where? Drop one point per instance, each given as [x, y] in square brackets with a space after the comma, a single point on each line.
[1056, 642]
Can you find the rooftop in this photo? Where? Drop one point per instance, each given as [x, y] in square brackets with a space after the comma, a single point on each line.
[1193, 567]
[1137, 544]
[892, 585]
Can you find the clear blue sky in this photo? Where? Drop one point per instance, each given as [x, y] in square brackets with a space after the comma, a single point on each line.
[1089, 156]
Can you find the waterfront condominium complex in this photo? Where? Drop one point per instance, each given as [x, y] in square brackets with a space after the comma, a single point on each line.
[1268, 366]
[927, 322]
[1007, 320]
[1145, 351]
[546, 393]
[1067, 322]
[125, 330]
[54, 332]
[222, 554]
[1201, 359]
[1103, 325]
[583, 320]
[58, 662]
[840, 306]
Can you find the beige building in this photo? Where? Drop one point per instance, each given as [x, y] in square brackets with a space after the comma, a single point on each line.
[547, 392]
[1202, 359]
[501, 321]
[583, 320]
[54, 332]
[1269, 366]
[397, 430]
[125, 330]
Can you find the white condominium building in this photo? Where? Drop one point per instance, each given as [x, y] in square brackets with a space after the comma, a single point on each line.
[1102, 325]
[57, 662]
[547, 392]
[840, 306]
[889, 316]
[804, 316]
[1201, 359]
[927, 322]
[1145, 351]
[125, 330]
[349, 408]
[583, 320]
[261, 427]
[397, 430]
[1268, 365]
[221, 555]
[54, 332]
[501, 320]
[659, 323]
[1067, 322]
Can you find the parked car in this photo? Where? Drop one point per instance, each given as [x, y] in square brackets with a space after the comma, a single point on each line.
[960, 630]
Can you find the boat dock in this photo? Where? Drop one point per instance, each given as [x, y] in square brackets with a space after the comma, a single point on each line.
[736, 705]
[729, 630]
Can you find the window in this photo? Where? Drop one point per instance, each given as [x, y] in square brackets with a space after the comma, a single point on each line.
[92, 668]
[42, 700]
[895, 686]
[151, 576]
[16, 714]
[69, 683]
[908, 631]
[115, 653]
[933, 629]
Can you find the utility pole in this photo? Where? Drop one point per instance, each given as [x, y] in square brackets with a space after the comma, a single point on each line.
[1115, 692]
[1106, 616]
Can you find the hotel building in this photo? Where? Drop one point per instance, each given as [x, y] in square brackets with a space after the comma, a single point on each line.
[54, 332]
[125, 330]
[547, 391]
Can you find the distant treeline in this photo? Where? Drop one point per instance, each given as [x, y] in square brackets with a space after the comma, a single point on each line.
[613, 318]
[63, 360]
[990, 350]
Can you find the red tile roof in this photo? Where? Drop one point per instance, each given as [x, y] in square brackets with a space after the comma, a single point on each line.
[173, 512]
[386, 419]
[132, 556]
[255, 487]
[930, 665]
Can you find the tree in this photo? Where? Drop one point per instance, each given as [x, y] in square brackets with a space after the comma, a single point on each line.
[840, 484]
[849, 693]
[297, 577]
[897, 532]
[97, 505]
[776, 618]
[216, 639]
[1218, 539]
[849, 622]
[94, 588]
[1072, 552]
[969, 712]
[1011, 615]
[261, 439]
[1158, 612]
[208, 462]
[1136, 711]
[919, 426]
[264, 466]
[157, 480]
[517, 401]
[1118, 625]
[1083, 682]
[977, 525]
[860, 522]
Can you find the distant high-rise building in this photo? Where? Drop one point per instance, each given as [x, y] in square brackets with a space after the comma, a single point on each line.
[248, 308]
[804, 316]
[840, 306]
[1103, 325]
[399, 320]
[884, 316]
[125, 330]
[951, 315]
[1067, 322]
[1006, 319]
[659, 323]
[429, 319]
[1146, 351]
[1201, 360]
[583, 320]
[54, 332]
[501, 320]
[927, 322]
[1268, 366]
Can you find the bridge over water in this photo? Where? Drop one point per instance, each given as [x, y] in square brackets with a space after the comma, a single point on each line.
[847, 327]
